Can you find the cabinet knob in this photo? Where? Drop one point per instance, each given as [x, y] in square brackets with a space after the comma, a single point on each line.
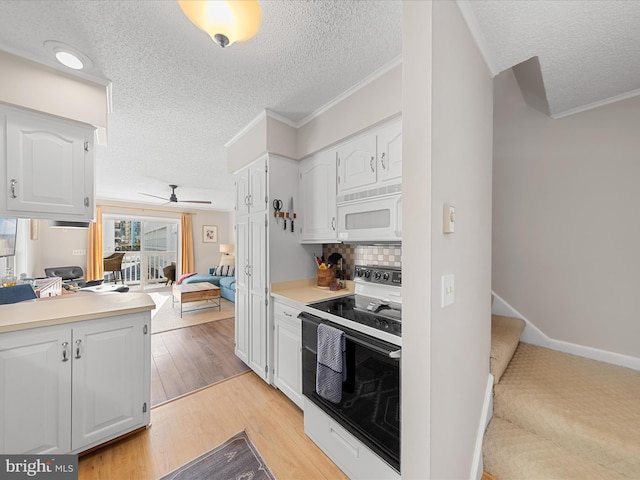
[14, 182]
[78, 342]
[86, 201]
[65, 351]
[371, 164]
[382, 161]
[333, 224]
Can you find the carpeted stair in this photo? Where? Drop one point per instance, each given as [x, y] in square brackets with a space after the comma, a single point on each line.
[559, 416]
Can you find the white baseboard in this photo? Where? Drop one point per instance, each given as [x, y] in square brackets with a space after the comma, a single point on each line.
[487, 412]
[535, 336]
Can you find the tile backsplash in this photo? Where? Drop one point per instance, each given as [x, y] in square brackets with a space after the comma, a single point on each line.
[353, 254]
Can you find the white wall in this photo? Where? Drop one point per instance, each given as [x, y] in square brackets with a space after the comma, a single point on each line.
[54, 246]
[51, 91]
[248, 145]
[447, 128]
[565, 229]
[461, 175]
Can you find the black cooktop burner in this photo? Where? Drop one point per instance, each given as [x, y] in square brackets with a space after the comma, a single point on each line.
[366, 311]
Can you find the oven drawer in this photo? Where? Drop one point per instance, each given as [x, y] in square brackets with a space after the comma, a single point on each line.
[346, 451]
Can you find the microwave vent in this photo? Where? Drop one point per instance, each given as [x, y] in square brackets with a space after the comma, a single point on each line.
[375, 192]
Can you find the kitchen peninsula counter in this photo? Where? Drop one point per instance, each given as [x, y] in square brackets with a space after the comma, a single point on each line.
[306, 291]
[71, 308]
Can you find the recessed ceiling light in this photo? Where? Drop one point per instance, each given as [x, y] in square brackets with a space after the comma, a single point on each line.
[69, 60]
[68, 56]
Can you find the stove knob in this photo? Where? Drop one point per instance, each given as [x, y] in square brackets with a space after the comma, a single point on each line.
[385, 277]
[367, 273]
[377, 275]
[358, 272]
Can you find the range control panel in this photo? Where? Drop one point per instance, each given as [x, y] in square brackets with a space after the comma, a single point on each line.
[380, 275]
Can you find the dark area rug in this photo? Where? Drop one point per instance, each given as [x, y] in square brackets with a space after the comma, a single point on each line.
[236, 458]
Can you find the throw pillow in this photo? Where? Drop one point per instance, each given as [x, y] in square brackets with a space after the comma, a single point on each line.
[183, 276]
[225, 270]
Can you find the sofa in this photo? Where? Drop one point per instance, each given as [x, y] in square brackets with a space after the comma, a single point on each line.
[226, 283]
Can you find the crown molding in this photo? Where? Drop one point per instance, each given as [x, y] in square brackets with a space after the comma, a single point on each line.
[599, 103]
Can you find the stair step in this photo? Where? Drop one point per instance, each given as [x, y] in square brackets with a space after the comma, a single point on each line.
[512, 453]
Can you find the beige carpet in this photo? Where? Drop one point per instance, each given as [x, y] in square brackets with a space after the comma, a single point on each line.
[167, 317]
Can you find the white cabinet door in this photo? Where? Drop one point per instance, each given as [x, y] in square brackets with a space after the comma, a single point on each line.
[390, 153]
[258, 187]
[318, 197]
[242, 252]
[288, 352]
[242, 192]
[242, 324]
[108, 379]
[49, 167]
[35, 386]
[357, 164]
[258, 294]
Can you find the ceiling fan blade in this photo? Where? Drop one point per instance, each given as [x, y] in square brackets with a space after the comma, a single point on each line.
[154, 196]
[195, 201]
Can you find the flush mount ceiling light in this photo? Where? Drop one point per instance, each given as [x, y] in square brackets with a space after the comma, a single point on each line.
[225, 21]
[67, 55]
[69, 60]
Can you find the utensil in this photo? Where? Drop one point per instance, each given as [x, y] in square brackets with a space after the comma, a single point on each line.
[277, 206]
[292, 214]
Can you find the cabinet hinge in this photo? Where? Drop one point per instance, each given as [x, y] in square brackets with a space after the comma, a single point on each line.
[266, 290]
[266, 369]
[266, 199]
[86, 146]
[266, 301]
[145, 329]
[144, 407]
[266, 168]
[338, 179]
[266, 221]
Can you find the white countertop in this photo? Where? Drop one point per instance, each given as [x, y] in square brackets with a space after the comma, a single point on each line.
[306, 291]
[71, 308]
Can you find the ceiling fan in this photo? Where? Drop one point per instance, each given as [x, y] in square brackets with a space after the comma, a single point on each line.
[174, 199]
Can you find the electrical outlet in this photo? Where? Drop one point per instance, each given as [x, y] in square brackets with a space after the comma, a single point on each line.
[79, 252]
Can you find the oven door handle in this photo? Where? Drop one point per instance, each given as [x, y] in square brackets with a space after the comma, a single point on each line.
[391, 354]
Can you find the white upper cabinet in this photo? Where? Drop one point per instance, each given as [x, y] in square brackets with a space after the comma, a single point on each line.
[251, 189]
[48, 165]
[370, 160]
[357, 164]
[318, 197]
[389, 149]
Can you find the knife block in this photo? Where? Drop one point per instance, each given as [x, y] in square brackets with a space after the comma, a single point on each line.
[326, 277]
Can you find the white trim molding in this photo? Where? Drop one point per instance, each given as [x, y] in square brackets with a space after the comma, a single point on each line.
[470, 18]
[477, 466]
[535, 336]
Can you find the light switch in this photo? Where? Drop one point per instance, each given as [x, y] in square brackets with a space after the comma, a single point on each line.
[448, 218]
[448, 289]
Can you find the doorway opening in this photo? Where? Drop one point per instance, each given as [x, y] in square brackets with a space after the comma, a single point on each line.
[149, 245]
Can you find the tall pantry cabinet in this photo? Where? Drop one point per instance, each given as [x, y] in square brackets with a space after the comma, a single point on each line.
[266, 252]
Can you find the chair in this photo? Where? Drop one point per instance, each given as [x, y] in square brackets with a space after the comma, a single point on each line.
[113, 263]
[71, 276]
[17, 293]
[169, 273]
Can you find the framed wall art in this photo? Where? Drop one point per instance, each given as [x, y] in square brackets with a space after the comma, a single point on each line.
[210, 234]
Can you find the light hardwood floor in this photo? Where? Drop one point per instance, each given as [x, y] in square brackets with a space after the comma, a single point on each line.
[192, 425]
[191, 358]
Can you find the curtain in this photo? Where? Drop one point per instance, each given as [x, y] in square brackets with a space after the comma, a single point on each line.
[94, 248]
[187, 263]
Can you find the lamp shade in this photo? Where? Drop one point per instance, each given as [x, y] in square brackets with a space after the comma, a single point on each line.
[226, 21]
[226, 248]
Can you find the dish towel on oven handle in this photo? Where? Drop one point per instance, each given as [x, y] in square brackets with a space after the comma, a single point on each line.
[331, 368]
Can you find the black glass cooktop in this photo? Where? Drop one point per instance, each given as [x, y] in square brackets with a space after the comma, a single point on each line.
[385, 316]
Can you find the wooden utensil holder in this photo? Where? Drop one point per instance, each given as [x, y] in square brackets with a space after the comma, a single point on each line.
[326, 277]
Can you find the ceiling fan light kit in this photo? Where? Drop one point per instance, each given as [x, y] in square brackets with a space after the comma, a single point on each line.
[225, 21]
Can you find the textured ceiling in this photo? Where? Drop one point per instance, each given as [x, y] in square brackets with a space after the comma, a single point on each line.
[178, 97]
[589, 51]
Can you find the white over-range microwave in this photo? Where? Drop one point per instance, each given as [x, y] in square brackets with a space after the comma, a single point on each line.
[376, 219]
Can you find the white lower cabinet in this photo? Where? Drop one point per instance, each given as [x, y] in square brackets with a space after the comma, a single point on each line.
[345, 450]
[287, 372]
[70, 387]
